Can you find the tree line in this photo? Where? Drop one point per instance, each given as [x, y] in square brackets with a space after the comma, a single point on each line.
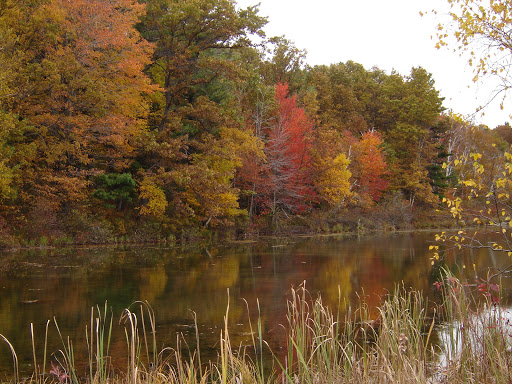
[155, 118]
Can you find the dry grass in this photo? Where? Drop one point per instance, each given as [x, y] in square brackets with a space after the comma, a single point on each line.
[404, 345]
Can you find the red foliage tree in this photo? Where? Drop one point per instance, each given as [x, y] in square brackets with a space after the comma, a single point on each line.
[286, 174]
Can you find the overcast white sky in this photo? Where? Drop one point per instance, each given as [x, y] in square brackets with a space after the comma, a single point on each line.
[388, 34]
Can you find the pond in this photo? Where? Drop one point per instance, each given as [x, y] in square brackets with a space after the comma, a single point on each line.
[43, 284]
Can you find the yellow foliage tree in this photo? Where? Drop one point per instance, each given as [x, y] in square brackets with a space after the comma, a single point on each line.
[333, 184]
[209, 192]
[154, 202]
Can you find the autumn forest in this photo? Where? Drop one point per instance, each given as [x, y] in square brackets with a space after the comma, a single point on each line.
[162, 119]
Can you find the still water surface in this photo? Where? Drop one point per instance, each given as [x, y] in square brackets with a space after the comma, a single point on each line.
[38, 285]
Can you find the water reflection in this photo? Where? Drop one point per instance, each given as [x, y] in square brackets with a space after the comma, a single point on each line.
[40, 285]
[490, 327]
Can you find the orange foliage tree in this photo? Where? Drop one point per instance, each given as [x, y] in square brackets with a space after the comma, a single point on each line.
[372, 165]
[79, 89]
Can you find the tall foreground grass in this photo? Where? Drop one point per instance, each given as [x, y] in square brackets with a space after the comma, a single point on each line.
[464, 342]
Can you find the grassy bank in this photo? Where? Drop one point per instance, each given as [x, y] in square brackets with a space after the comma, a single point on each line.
[391, 216]
[464, 341]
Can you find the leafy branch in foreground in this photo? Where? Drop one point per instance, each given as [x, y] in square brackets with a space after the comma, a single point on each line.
[482, 199]
[480, 30]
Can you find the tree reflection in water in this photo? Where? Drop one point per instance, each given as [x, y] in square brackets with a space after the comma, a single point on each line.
[38, 285]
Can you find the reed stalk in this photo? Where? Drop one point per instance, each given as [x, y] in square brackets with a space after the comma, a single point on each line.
[98, 339]
[16, 374]
[68, 356]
